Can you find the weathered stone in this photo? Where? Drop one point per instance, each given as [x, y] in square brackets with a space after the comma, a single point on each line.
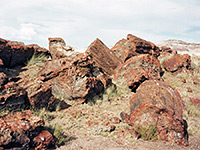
[3, 79]
[39, 93]
[103, 57]
[183, 80]
[195, 101]
[13, 97]
[149, 117]
[158, 105]
[138, 69]
[18, 130]
[178, 63]
[43, 140]
[159, 94]
[58, 48]
[73, 79]
[134, 46]
[167, 50]
[14, 53]
[38, 49]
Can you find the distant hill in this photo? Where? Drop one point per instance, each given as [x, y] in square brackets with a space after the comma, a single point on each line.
[181, 46]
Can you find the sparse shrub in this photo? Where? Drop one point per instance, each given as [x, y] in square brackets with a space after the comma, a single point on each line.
[148, 133]
[45, 114]
[57, 131]
[37, 59]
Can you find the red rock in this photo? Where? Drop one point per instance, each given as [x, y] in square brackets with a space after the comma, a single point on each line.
[158, 104]
[183, 80]
[103, 57]
[44, 140]
[167, 50]
[13, 97]
[107, 123]
[17, 130]
[134, 46]
[77, 79]
[195, 101]
[189, 90]
[14, 53]
[167, 127]
[196, 80]
[38, 49]
[178, 63]
[138, 69]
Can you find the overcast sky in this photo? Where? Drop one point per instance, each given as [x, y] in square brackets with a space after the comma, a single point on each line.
[79, 22]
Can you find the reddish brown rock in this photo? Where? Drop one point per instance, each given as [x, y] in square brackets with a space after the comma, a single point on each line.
[157, 104]
[19, 129]
[13, 97]
[103, 57]
[148, 117]
[167, 50]
[196, 80]
[39, 93]
[40, 96]
[134, 46]
[195, 101]
[189, 90]
[77, 79]
[178, 63]
[183, 80]
[138, 69]
[44, 140]
[14, 53]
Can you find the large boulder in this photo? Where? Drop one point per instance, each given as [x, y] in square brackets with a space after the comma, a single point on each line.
[13, 97]
[77, 78]
[39, 93]
[14, 53]
[178, 63]
[156, 105]
[134, 46]
[138, 69]
[22, 130]
[103, 57]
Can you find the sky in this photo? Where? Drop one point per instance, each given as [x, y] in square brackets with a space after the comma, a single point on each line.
[80, 22]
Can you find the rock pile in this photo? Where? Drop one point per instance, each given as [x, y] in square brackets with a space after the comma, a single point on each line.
[23, 130]
[77, 76]
[155, 106]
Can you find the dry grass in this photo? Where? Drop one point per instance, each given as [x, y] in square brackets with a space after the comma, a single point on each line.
[37, 59]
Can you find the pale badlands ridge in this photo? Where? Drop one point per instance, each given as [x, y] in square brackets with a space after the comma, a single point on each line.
[181, 46]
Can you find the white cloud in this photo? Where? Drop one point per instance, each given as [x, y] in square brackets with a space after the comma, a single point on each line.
[26, 32]
[80, 22]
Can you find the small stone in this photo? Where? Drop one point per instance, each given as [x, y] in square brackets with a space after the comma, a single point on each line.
[189, 90]
[112, 128]
[115, 120]
[183, 80]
